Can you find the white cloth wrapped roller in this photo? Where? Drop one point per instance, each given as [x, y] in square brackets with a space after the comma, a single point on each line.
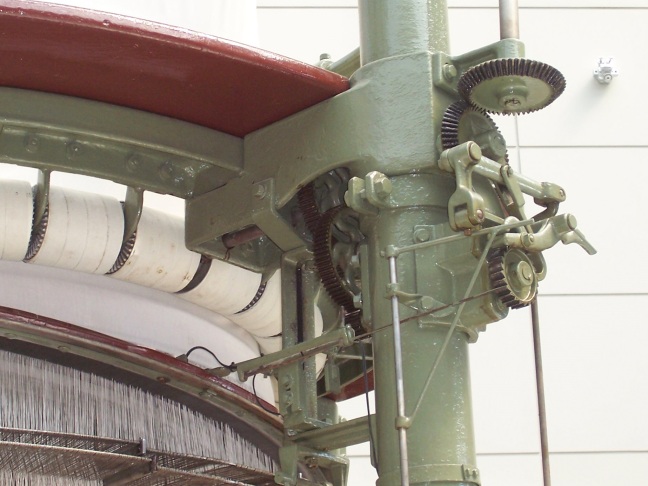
[264, 317]
[159, 258]
[226, 288]
[16, 213]
[84, 231]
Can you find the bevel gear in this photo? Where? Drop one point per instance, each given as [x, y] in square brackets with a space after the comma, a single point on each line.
[513, 277]
[462, 122]
[508, 86]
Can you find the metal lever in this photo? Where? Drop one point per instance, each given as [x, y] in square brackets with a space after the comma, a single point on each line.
[466, 208]
[577, 237]
[546, 234]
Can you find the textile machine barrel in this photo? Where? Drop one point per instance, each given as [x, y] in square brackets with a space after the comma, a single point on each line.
[340, 235]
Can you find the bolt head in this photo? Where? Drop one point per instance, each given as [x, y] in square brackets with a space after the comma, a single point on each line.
[449, 72]
[421, 235]
[382, 186]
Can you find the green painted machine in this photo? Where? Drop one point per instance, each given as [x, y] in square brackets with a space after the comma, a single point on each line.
[387, 202]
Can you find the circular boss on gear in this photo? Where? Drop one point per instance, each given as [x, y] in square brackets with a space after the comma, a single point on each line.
[513, 277]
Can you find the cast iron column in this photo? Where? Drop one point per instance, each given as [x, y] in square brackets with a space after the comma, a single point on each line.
[440, 439]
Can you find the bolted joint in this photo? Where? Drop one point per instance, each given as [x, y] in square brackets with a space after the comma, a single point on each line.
[462, 156]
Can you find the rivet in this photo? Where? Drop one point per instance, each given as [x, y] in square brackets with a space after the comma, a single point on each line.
[166, 171]
[133, 163]
[74, 149]
[32, 144]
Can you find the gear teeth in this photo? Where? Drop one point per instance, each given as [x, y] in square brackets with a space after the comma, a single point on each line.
[499, 281]
[500, 68]
[124, 254]
[451, 122]
[37, 236]
[329, 274]
[308, 206]
[321, 227]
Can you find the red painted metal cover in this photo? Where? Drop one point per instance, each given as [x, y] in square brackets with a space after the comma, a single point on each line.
[147, 66]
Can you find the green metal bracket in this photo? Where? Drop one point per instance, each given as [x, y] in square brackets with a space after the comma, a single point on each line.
[137, 149]
[448, 69]
[268, 363]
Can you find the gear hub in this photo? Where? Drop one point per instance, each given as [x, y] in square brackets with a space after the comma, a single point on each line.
[513, 277]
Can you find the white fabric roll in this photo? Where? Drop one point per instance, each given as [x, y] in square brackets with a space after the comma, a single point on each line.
[16, 214]
[159, 258]
[84, 231]
[264, 318]
[226, 288]
[269, 345]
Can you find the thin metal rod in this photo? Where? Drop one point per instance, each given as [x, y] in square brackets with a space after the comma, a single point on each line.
[449, 239]
[509, 19]
[453, 326]
[347, 65]
[400, 388]
[542, 412]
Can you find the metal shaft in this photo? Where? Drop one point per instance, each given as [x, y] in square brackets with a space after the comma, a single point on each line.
[542, 413]
[395, 27]
[400, 388]
[509, 19]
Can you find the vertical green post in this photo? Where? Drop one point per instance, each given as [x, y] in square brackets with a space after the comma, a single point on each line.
[440, 439]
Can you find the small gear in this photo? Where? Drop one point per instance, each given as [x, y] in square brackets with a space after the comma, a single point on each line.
[462, 123]
[511, 85]
[513, 277]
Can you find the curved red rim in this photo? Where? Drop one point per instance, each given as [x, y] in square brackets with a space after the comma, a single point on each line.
[159, 69]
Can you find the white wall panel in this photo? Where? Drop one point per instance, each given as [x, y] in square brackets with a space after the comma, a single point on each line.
[304, 34]
[361, 473]
[588, 113]
[603, 469]
[511, 470]
[596, 365]
[503, 384]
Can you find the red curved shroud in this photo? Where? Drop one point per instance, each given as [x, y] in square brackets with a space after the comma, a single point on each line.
[151, 67]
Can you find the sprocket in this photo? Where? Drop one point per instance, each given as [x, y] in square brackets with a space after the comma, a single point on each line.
[508, 86]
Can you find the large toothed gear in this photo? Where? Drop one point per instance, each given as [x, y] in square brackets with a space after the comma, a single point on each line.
[513, 277]
[507, 86]
[330, 273]
[462, 123]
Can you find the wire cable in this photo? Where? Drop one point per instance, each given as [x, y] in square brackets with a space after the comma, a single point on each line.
[231, 367]
[256, 397]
